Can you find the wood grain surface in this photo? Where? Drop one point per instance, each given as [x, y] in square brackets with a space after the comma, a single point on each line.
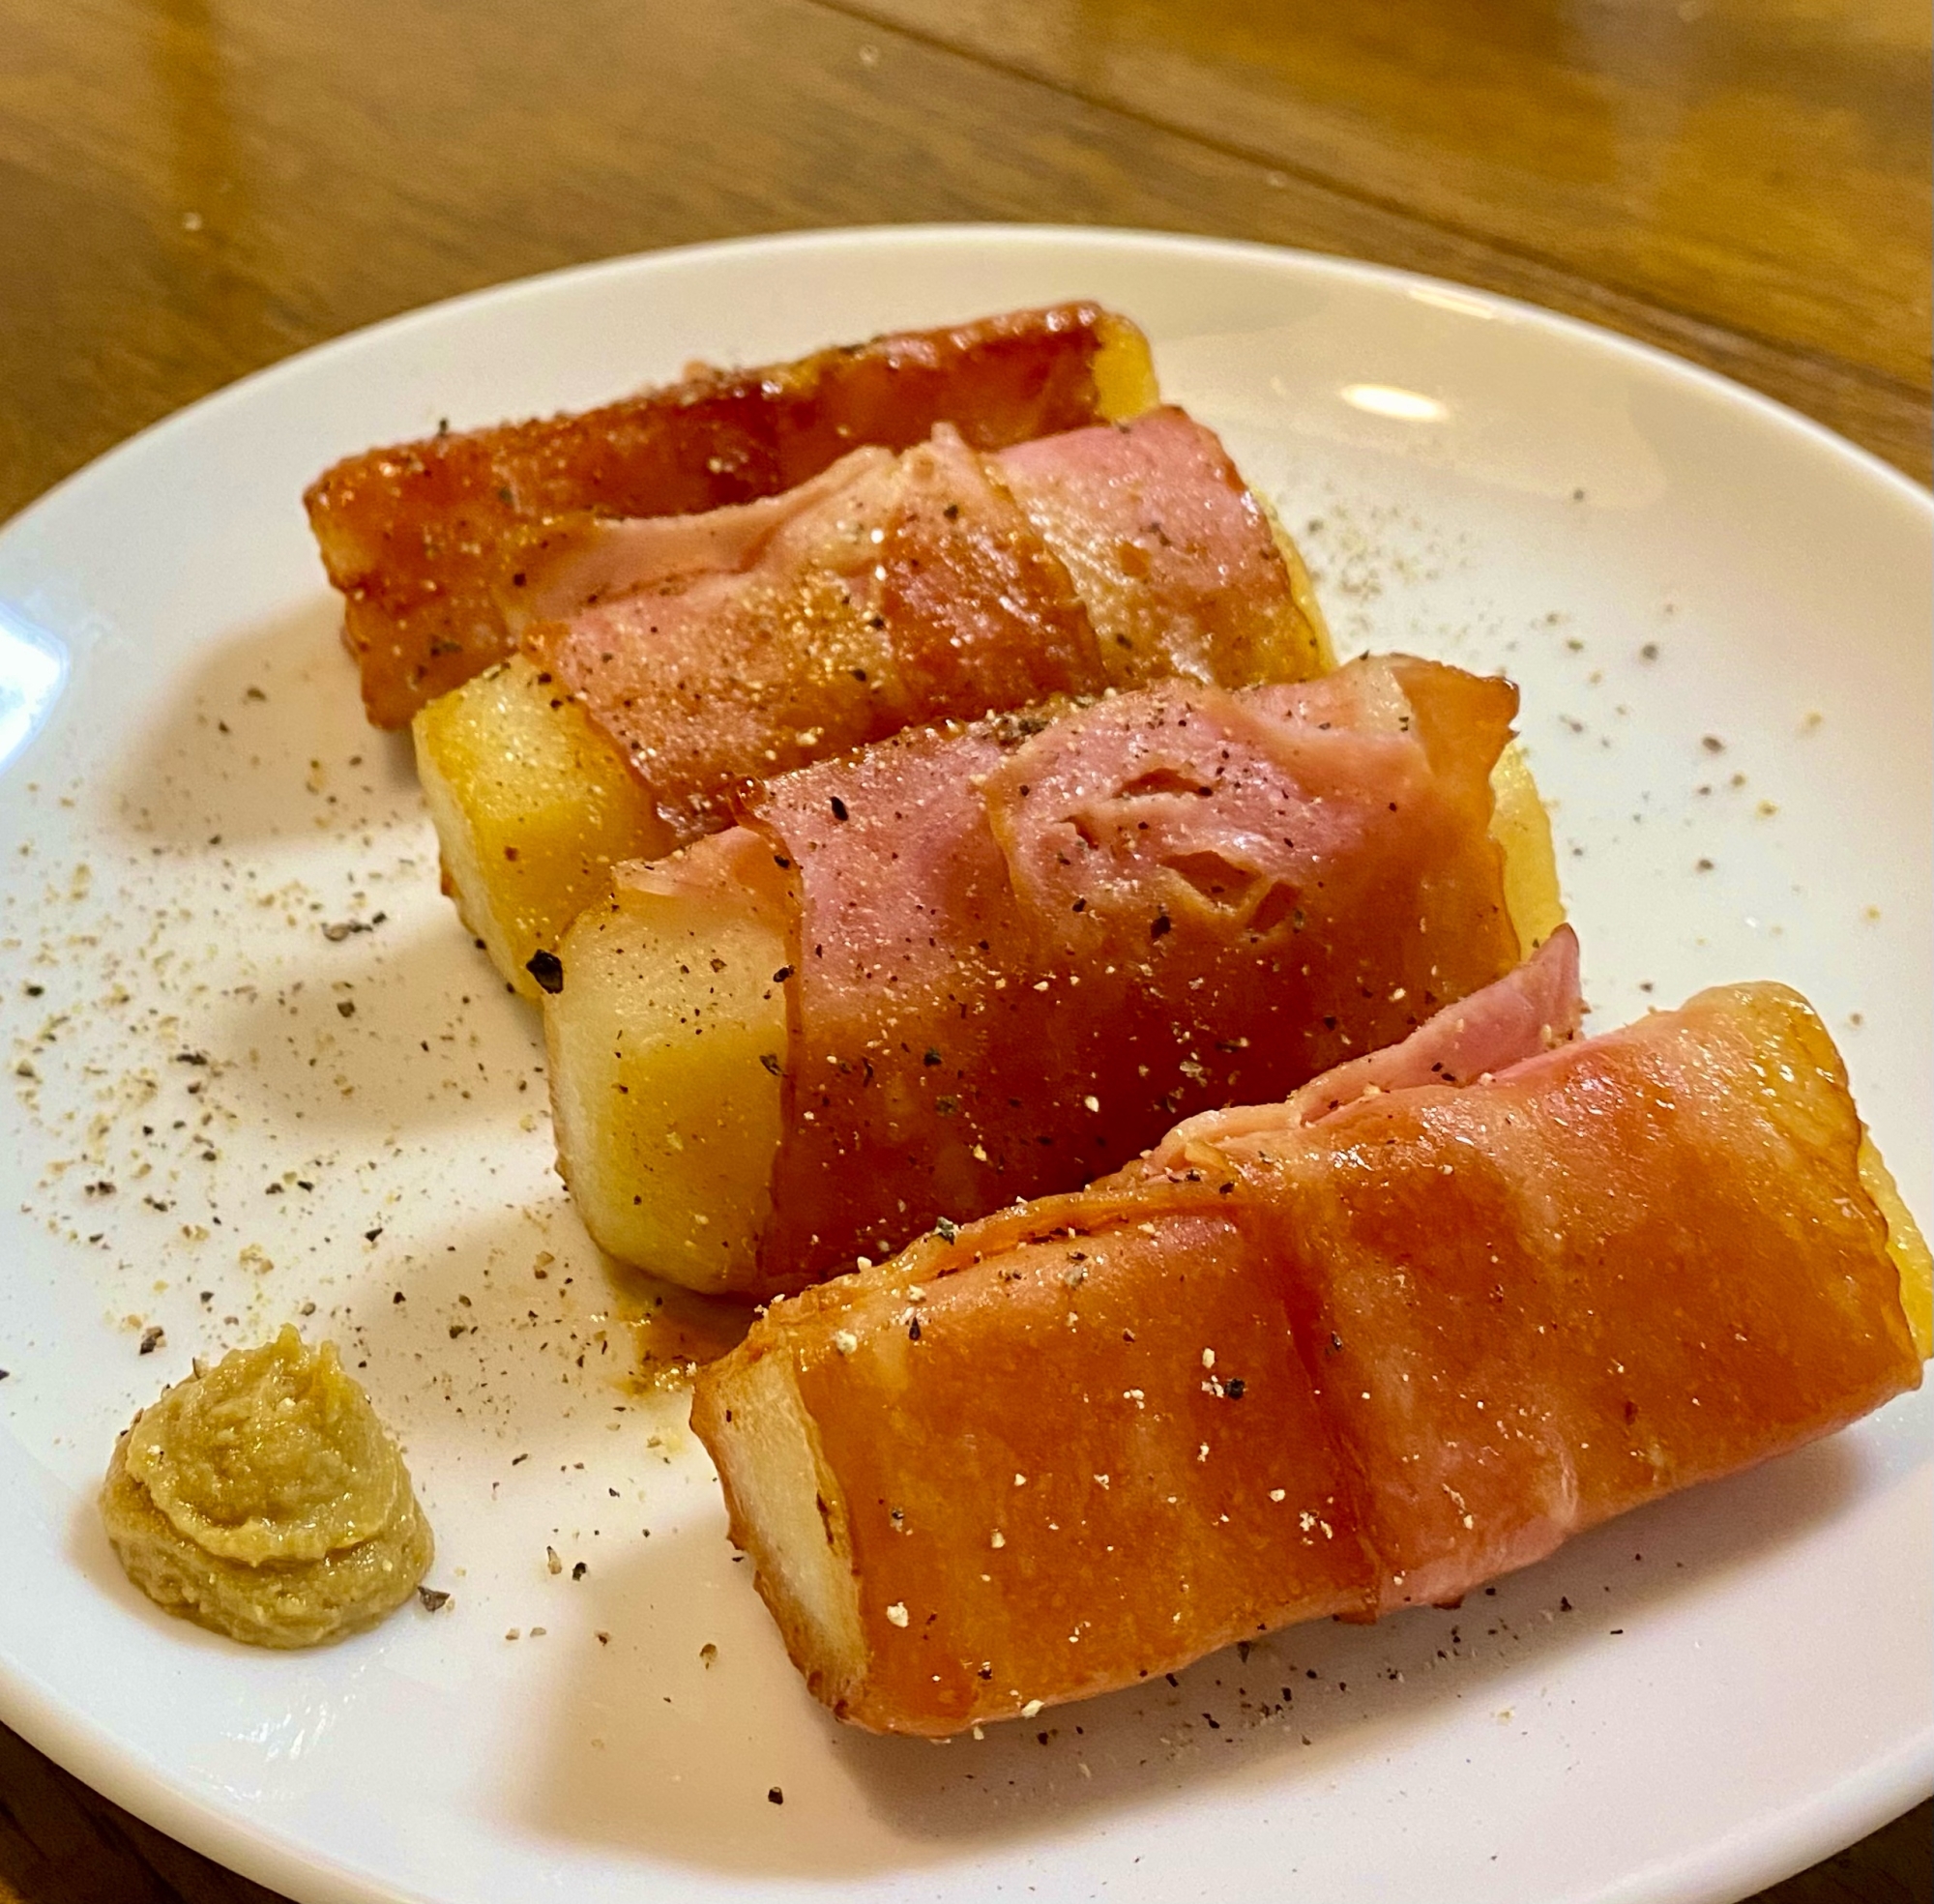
[189, 190]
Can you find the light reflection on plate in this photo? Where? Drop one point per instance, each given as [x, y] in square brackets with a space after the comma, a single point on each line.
[33, 671]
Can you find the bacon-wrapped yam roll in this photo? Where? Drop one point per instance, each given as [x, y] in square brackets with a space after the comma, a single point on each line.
[1338, 1357]
[976, 964]
[417, 536]
[666, 660]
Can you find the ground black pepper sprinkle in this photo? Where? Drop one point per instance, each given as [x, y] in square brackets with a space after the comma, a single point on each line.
[433, 1599]
[775, 1795]
[547, 969]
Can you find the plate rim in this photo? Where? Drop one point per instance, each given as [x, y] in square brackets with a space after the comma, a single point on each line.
[1778, 1844]
[1358, 270]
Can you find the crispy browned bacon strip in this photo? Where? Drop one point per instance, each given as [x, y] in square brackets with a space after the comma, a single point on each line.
[416, 536]
[1334, 1361]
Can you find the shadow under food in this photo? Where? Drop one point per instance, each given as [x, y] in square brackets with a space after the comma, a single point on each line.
[266, 740]
[694, 1718]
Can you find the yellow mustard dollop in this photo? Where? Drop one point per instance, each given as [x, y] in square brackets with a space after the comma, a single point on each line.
[263, 1498]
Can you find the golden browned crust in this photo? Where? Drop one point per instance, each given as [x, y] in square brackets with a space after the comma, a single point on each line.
[415, 536]
[1328, 1369]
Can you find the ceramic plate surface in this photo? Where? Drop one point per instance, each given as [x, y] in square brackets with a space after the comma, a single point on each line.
[256, 1066]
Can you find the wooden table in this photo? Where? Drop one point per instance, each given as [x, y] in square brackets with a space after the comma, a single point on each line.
[189, 190]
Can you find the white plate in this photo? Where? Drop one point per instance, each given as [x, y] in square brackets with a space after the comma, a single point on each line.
[1686, 1705]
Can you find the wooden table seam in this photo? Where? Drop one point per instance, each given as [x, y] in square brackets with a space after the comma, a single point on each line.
[1880, 381]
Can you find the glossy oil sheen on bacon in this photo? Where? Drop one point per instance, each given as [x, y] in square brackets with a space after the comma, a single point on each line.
[1336, 1364]
[412, 535]
[1171, 553]
[893, 590]
[1022, 957]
